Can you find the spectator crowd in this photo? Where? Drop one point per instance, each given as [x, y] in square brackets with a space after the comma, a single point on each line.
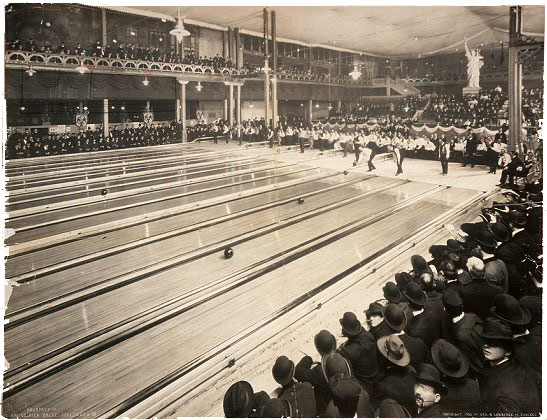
[455, 335]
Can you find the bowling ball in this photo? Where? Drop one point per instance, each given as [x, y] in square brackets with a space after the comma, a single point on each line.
[104, 192]
[354, 163]
[345, 172]
[300, 200]
[228, 253]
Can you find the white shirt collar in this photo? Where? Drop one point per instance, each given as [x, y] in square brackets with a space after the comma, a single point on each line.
[400, 333]
[485, 256]
[505, 359]
[417, 312]
[517, 231]
[456, 319]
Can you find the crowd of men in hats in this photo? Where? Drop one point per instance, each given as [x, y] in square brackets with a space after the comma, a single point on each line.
[30, 143]
[456, 336]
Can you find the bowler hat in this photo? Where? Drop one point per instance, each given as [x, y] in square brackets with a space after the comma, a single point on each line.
[276, 408]
[517, 218]
[392, 292]
[334, 364]
[494, 329]
[449, 359]
[393, 349]
[418, 263]
[350, 323]
[324, 342]
[375, 308]
[415, 294]
[485, 238]
[452, 298]
[402, 280]
[283, 370]
[429, 375]
[239, 400]
[499, 231]
[394, 316]
[533, 304]
[472, 229]
[454, 246]
[507, 308]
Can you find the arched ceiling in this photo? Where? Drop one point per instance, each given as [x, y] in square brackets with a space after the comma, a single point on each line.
[392, 31]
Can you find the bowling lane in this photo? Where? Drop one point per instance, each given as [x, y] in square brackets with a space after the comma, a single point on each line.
[49, 287]
[127, 183]
[30, 340]
[98, 162]
[143, 359]
[120, 196]
[107, 211]
[101, 243]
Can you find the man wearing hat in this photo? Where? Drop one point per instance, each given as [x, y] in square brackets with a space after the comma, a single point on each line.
[424, 324]
[360, 350]
[478, 296]
[396, 382]
[434, 304]
[508, 309]
[428, 390]
[463, 397]
[305, 371]
[375, 321]
[495, 269]
[395, 320]
[519, 235]
[463, 323]
[299, 395]
[507, 386]
[240, 400]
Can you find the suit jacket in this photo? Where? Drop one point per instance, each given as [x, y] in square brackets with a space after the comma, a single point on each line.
[304, 372]
[527, 242]
[418, 350]
[495, 271]
[381, 330]
[300, 397]
[478, 297]
[529, 352]
[463, 397]
[398, 384]
[510, 388]
[433, 412]
[425, 326]
[360, 351]
[435, 305]
[469, 341]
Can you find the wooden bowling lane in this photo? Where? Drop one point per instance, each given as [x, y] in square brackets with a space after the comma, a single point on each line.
[180, 280]
[57, 257]
[68, 166]
[38, 293]
[106, 217]
[127, 183]
[84, 198]
[108, 378]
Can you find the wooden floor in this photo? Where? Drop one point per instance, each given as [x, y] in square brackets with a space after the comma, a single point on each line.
[120, 294]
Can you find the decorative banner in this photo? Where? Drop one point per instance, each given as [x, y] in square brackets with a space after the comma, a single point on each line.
[148, 118]
[81, 120]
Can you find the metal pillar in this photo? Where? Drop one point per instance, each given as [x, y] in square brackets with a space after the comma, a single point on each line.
[183, 84]
[388, 86]
[310, 111]
[147, 106]
[105, 39]
[106, 129]
[225, 113]
[275, 116]
[178, 109]
[231, 105]
[238, 103]
[515, 80]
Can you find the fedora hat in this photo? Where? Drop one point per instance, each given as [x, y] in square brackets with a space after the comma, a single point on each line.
[517, 218]
[393, 350]
[350, 324]
[415, 294]
[507, 308]
[392, 292]
[375, 308]
[453, 245]
[402, 280]
[418, 263]
[429, 375]
[283, 370]
[499, 231]
[449, 359]
[239, 400]
[494, 329]
[394, 316]
[334, 364]
[324, 342]
[485, 238]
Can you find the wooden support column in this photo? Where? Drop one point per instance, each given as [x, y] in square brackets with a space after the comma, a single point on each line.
[266, 70]
[106, 129]
[238, 103]
[183, 84]
[275, 116]
[310, 111]
[105, 38]
[231, 105]
[515, 80]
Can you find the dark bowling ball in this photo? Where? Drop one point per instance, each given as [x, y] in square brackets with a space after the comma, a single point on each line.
[345, 172]
[104, 192]
[354, 163]
[300, 200]
[228, 253]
